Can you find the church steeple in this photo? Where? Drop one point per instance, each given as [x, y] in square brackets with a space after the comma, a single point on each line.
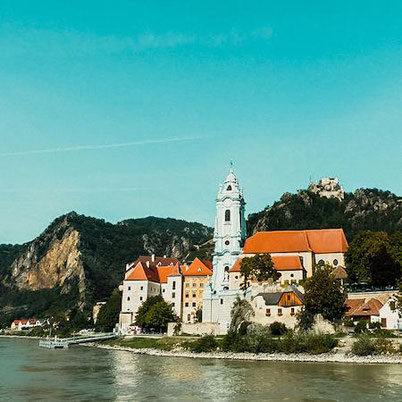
[230, 228]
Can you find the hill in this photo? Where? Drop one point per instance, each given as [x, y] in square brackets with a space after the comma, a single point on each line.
[365, 209]
[78, 260]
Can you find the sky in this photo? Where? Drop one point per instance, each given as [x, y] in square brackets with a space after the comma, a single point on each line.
[127, 109]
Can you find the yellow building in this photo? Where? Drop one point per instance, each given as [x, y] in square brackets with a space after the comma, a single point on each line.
[195, 278]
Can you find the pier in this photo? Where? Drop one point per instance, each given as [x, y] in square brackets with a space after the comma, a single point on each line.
[64, 343]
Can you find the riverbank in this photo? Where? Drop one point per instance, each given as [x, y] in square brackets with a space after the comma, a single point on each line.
[335, 357]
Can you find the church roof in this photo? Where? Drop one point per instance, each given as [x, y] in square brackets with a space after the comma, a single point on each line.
[290, 241]
[198, 268]
[281, 263]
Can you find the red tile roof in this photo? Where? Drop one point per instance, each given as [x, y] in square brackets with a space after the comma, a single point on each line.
[358, 307]
[281, 263]
[197, 268]
[165, 271]
[319, 241]
[143, 272]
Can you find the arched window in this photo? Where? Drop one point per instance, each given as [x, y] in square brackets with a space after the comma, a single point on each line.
[229, 188]
[227, 215]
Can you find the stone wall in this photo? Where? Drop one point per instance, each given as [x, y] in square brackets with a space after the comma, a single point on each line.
[201, 328]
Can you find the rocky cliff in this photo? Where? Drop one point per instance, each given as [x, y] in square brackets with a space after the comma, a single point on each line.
[78, 260]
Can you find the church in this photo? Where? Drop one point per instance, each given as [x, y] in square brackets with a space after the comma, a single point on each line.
[208, 290]
[293, 252]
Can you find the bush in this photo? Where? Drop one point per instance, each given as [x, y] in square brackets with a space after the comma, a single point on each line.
[363, 346]
[374, 325]
[383, 333]
[348, 322]
[206, 343]
[360, 327]
[307, 343]
[384, 346]
[305, 320]
[234, 342]
[259, 339]
[243, 328]
[277, 328]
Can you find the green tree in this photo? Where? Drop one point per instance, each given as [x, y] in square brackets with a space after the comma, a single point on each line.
[159, 315]
[259, 267]
[140, 317]
[241, 312]
[108, 315]
[324, 295]
[375, 257]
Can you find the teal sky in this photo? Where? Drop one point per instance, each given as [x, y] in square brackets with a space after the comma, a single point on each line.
[123, 109]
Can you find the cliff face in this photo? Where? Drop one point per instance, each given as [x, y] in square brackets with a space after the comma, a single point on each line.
[365, 209]
[81, 260]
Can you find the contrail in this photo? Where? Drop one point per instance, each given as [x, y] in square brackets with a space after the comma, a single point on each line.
[101, 146]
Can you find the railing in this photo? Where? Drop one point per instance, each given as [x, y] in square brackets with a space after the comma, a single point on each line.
[64, 343]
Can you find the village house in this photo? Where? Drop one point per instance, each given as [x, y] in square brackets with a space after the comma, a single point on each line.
[389, 316]
[180, 285]
[363, 310]
[281, 306]
[25, 324]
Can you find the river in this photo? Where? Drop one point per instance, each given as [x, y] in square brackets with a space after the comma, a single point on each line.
[90, 374]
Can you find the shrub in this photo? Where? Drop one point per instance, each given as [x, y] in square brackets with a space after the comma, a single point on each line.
[360, 327]
[278, 328]
[363, 346]
[259, 339]
[374, 325]
[319, 343]
[348, 322]
[383, 333]
[384, 346]
[243, 328]
[206, 343]
[234, 342]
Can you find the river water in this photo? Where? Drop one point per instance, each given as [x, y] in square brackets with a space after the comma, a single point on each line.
[89, 374]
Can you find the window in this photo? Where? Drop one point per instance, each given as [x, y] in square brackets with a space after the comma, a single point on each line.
[227, 242]
[335, 262]
[321, 263]
[188, 317]
[268, 312]
[194, 285]
[279, 311]
[221, 301]
[288, 297]
[201, 285]
[163, 291]
[142, 288]
[229, 188]
[128, 298]
[173, 295]
[186, 304]
[236, 277]
[292, 275]
[129, 288]
[194, 294]
[174, 285]
[227, 215]
[292, 311]
[187, 295]
[194, 304]
[141, 298]
[187, 285]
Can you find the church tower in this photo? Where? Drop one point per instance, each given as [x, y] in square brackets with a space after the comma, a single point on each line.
[230, 230]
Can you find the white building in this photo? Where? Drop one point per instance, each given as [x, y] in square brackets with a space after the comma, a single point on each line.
[229, 236]
[389, 316]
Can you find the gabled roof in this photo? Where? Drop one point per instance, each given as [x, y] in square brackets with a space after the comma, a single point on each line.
[167, 270]
[16, 322]
[339, 273]
[143, 272]
[352, 305]
[371, 307]
[273, 298]
[281, 263]
[319, 241]
[157, 260]
[197, 268]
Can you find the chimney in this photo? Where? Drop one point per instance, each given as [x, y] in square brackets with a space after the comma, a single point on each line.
[164, 256]
[148, 264]
[153, 257]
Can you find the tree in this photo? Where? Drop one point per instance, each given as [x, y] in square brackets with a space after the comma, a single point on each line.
[259, 267]
[242, 311]
[140, 317]
[159, 315]
[375, 257]
[108, 315]
[324, 294]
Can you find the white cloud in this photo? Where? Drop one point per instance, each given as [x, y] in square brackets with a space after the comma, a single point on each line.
[100, 146]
